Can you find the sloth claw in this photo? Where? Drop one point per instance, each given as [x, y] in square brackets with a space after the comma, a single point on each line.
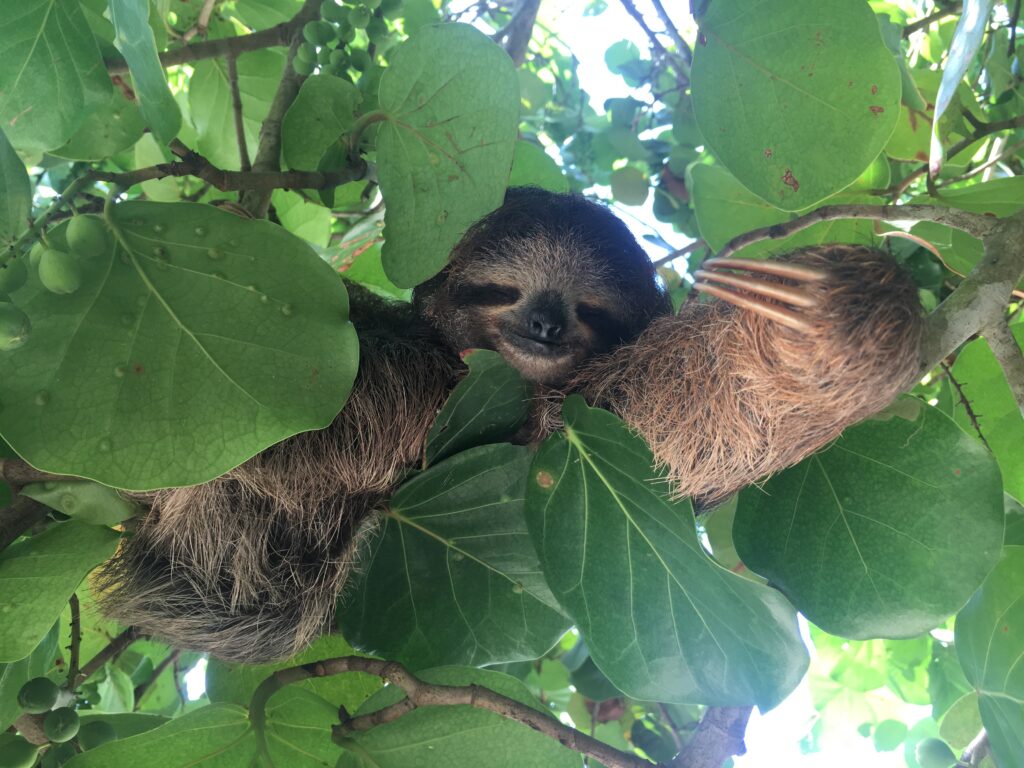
[753, 284]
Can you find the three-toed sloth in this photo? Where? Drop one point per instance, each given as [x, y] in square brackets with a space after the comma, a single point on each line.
[248, 567]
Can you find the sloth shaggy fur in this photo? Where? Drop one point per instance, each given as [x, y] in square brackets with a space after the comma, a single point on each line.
[248, 566]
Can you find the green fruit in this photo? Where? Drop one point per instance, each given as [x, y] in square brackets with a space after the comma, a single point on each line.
[377, 29]
[373, 5]
[306, 52]
[18, 754]
[39, 694]
[359, 60]
[324, 57]
[360, 17]
[95, 733]
[391, 8]
[61, 725]
[339, 59]
[318, 32]
[303, 67]
[934, 753]
[87, 236]
[59, 272]
[346, 34]
[35, 253]
[331, 11]
[12, 276]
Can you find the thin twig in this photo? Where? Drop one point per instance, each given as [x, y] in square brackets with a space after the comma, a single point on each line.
[718, 737]
[76, 638]
[930, 19]
[995, 159]
[515, 36]
[1014, 19]
[19, 472]
[972, 223]
[696, 245]
[656, 44]
[1006, 350]
[109, 652]
[670, 29]
[236, 108]
[419, 694]
[202, 23]
[168, 660]
[971, 415]
[19, 517]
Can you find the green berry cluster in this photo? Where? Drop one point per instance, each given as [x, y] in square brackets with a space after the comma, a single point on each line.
[328, 41]
[59, 270]
[61, 724]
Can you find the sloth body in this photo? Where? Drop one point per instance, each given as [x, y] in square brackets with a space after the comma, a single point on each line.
[248, 567]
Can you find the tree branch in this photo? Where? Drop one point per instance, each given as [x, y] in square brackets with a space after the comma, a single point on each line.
[76, 640]
[696, 245]
[656, 45]
[718, 737]
[927, 21]
[202, 23]
[1006, 350]
[515, 36]
[18, 472]
[236, 108]
[111, 651]
[268, 154]
[168, 660]
[19, 517]
[420, 694]
[670, 29]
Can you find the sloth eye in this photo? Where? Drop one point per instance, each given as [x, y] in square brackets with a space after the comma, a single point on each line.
[602, 322]
[487, 295]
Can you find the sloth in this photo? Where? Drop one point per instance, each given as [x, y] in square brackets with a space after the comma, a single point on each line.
[784, 355]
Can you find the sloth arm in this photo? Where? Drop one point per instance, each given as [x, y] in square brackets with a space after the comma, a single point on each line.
[728, 394]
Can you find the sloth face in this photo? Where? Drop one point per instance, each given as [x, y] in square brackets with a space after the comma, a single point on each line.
[547, 281]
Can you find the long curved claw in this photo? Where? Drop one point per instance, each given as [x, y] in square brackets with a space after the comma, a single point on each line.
[772, 311]
[777, 268]
[784, 293]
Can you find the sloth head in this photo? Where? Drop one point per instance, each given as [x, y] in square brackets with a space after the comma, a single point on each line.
[547, 281]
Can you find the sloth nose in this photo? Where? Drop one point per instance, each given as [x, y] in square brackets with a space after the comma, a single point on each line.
[545, 325]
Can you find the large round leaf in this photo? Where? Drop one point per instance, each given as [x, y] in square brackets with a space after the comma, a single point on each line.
[886, 533]
[989, 640]
[661, 619]
[796, 98]
[444, 153]
[320, 114]
[454, 577]
[197, 339]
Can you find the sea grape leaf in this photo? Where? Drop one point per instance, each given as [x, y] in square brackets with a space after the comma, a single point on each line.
[725, 209]
[533, 167]
[796, 100]
[38, 574]
[455, 737]
[88, 502]
[487, 406]
[196, 340]
[307, 220]
[146, 153]
[136, 43]
[444, 151]
[16, 673]
[218, 735]
[662, 620]
[884, 534]
[453, 577]
[209, 97]
[323, 111]
[105, 131]
[15, 195]
[51, 73]
[298, 730]
[989, 636]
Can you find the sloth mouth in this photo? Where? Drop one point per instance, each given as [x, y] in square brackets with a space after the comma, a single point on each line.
[544, 349]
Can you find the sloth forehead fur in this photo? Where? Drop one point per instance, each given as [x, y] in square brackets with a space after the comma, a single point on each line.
[547, 281]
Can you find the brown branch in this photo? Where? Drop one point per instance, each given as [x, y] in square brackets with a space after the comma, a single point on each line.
[670, 29]
[31, 729]
[76, 639]
[971, 415]
[515, 36]
[20, 516]
[111, 651]
[696, 245]
[268, 153]
[236, 108]
[1014, 18]
[202, 23]
[1006, 350]
[194, 164]
[141, 688]
[927, 21]
[972, 223]
[998, 157]
[420, 694]
[19, 472]
[718, 737]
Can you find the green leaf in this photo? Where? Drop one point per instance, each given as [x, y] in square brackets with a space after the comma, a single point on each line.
[444, 152]
[307, 220]
[660, 618]
[105, 131]
[298, 730]
[136, 43]
[487, 406]
[37, 575]
[217, 736]
[17, 673]
[989, 637]
[983, 383]
[725, 209]
[15, 195]
[209, 97]
[89, 502]
[630, 186]
[533, 167]
[455, 737]
[116, 691]
[323, 111]
[453, 577]
[796, 100]
[197, 340]
[884, 534]
[235, 683]
[127, 723]
[1014, 520]
[51, 73]
[148, 152]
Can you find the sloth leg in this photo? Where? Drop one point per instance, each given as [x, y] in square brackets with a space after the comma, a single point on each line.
[730, 391]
